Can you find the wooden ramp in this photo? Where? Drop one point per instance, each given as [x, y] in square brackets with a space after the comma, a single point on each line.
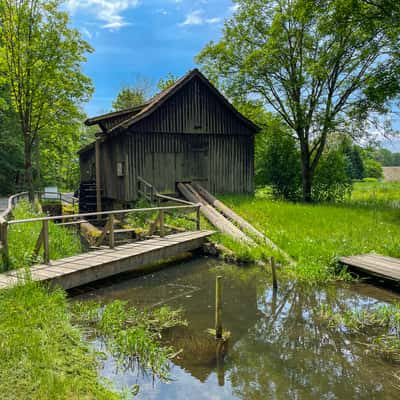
[89, 267]
[375, 264]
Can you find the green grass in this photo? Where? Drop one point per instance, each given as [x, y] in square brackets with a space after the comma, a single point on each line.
[22, 238]
[384, 194]
[317, 235]
[42, 356]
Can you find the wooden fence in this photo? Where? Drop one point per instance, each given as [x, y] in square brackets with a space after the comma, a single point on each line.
[43, 239]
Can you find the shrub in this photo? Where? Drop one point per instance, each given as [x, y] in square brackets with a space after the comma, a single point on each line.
[278, 164]
[331, 181]
[373, 169]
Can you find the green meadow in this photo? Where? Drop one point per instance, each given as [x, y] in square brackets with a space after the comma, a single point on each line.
[316, 235]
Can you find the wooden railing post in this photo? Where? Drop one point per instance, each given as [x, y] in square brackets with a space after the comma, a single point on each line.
[198, 224]
[46, 247]
[4, 243]
[111, 231]
[161, 220]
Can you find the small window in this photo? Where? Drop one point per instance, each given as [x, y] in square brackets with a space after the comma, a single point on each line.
[120, 169]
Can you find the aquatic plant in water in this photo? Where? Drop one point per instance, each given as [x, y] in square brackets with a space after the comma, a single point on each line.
[130, 335]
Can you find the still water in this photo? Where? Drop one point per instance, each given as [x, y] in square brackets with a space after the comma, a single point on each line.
[279, 346]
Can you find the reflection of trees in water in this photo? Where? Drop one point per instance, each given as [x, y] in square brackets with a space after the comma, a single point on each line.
[291, 353]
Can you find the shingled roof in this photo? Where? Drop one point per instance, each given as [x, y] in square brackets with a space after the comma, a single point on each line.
[135, 114]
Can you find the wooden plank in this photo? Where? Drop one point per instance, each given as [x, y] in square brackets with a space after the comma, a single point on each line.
[374, 264]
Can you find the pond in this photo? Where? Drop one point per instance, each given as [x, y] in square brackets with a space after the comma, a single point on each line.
[280, 348]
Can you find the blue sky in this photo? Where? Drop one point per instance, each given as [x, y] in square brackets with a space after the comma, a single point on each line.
[143, 38]
[136, 39]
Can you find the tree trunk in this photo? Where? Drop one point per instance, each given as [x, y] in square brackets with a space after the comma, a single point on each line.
[28, 166]
[307, 173]
[307, 184]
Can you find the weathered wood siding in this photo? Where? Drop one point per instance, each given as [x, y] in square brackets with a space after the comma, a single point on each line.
[193, 136]
[194, 109]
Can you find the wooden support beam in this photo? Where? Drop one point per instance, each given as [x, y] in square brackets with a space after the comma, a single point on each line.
[111, 231]
[38, 244]
[98, 175]
[162, 226]
[198, 220]
[46, 246]
[4, 244]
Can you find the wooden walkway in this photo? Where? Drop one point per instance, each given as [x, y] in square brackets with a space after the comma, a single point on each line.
[375, 264]
[89, 267]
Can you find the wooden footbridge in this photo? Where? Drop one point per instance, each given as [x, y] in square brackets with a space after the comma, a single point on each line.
[383, 267]
[104, 261]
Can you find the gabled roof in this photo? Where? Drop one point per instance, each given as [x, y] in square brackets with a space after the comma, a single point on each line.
[100, 118]
[153, 104]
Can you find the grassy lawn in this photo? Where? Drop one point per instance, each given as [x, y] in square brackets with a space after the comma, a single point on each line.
[316, 235]
[42, 356]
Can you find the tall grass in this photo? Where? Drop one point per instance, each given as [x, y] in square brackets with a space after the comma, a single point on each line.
[130, 335]
[42, 356]
[22, 239]
[317, 235]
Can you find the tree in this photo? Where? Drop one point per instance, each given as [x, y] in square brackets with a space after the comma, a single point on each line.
[128, 98]
[42, 66]
[167, 82]
[11, 146]
[132, 96]
[318, 64]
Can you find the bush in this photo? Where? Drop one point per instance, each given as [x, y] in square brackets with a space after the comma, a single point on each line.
[331, 179]
[373, 169]
[278, 164]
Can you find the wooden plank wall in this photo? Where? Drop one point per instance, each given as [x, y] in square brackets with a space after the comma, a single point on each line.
[191, 137]
[194, 109]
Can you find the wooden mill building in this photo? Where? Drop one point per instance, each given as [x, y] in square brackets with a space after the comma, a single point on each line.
[187, 133]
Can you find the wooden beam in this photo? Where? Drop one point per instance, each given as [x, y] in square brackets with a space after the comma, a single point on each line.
[98, 175]
[4, 243]
[46, 246]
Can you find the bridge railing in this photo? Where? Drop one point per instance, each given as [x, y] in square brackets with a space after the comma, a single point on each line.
[110, 216]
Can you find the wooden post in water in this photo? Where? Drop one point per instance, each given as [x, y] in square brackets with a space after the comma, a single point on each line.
[218, 307]
[46, 247]
[4, 243]
[111, 231]
[161, 220]
[274, 279]
[98, 175]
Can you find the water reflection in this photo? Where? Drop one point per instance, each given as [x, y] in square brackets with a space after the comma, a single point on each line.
[279, 348]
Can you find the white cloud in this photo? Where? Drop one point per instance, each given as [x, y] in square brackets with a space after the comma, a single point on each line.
[196, 18]
[214, 20]
[86, 33]
[107, 11]
[234, 8]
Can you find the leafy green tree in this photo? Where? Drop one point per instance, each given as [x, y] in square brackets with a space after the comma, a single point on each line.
[128, 98]
[11, 146]
[165, 83]
[318, 64]
[42, 59]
